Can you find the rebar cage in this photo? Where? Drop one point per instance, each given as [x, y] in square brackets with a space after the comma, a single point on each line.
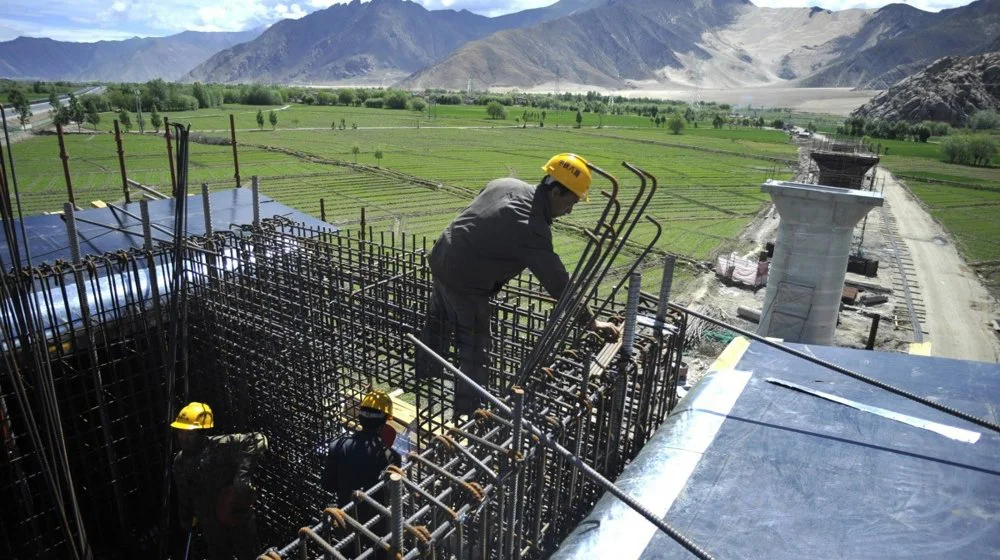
[281, 328]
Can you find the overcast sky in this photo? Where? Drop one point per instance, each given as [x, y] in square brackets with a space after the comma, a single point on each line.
[95, 20]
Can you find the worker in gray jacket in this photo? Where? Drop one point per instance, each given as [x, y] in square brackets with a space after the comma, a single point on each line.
[506, 229]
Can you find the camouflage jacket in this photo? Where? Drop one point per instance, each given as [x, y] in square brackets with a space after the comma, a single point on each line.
[225, 460]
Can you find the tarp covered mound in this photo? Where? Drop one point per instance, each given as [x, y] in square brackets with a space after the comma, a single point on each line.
[742, 271]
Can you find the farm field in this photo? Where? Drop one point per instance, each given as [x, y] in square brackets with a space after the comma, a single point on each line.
[964, 199]
[708, 180]
[323, 117]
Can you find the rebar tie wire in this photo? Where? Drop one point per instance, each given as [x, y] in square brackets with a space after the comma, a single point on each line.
[413, 486]
[305, 532]
[419, 532]
[343, 520]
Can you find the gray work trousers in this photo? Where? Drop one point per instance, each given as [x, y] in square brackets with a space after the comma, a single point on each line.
[467, 318]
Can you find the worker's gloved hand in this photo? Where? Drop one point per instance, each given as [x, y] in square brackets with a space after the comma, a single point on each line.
[608, 331]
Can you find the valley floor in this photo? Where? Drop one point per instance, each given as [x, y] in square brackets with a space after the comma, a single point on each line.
[837, 101]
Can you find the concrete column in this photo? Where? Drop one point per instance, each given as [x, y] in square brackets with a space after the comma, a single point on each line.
[807, 272]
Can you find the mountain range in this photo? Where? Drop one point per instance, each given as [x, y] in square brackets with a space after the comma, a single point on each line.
[374, 42]
[603, 43]
[719, 43]
[132, 60]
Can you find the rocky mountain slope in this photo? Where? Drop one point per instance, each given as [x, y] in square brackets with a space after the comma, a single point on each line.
[131, 60]
[949, 90]
[900, 40]
[719, 43]
[363, 42]
[623, 40]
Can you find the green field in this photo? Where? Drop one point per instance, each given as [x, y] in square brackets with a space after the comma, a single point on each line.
[964, 199]
[315, 116]
[709, 180]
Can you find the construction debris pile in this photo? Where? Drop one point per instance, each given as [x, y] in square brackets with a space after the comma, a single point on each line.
[281, 327]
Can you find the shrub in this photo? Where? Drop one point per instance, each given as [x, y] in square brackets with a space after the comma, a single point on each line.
[969, 150]
[922, 132]
[326, 98]
[676, 124]
[954, 150]
[984, 120]
[262, 95]
[496, 111]
[450, 99]
[346, 96]
[396, 99]
[981, 150]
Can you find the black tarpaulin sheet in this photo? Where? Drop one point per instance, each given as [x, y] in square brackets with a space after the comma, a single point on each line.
[750, 469]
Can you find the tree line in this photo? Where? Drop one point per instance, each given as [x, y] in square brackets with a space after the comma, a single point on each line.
[962, 146]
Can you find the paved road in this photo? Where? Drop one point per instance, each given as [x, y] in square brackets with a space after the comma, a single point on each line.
[958, 305]
[40, 110]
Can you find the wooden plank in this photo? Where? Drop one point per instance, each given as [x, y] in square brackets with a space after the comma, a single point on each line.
[98, 204]
[403, 412]
[920, 348]
[604, 358]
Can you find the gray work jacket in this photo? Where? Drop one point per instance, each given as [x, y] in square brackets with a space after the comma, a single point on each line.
[506, 229]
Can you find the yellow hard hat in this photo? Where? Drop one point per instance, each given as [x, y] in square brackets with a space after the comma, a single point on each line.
[195, 416]
[379, 401]
[572, 172]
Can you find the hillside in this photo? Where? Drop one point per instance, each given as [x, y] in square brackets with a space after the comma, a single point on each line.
[631, 39]
[363, 42]
[131, 60]
[950, 90]
[900, 40]
[718, 43]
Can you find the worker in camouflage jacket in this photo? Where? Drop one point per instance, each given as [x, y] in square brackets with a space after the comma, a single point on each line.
[213, 474]
[505, 230]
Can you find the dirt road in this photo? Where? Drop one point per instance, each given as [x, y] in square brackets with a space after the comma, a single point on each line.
[958, 306]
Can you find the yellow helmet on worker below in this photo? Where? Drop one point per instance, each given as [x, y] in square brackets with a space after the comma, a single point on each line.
[377, 401]
[572, 172]
[194, 416]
